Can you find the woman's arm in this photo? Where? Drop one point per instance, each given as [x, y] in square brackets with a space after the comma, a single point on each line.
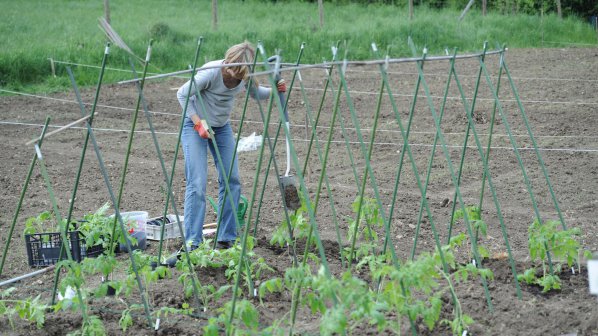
[201, 81]
[259, 92]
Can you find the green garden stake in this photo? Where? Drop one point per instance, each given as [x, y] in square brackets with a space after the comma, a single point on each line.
[113, 198]
[22, 197]
[83, 150]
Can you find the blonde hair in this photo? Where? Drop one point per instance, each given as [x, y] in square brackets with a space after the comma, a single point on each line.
[240, 53]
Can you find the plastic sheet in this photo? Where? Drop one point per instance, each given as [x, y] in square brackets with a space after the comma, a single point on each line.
[249, 143]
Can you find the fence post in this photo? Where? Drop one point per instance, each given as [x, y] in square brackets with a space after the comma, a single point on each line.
[52, 66]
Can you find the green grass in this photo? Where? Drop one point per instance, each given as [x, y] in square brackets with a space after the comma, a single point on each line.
[34, 30]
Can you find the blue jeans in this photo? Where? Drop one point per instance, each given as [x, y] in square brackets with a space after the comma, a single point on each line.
[196, 174]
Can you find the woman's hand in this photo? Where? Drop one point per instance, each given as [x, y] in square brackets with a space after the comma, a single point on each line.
[281, 86]
[202, 129]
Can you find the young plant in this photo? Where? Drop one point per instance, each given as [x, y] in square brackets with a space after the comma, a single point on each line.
[32, 310]
[295, 281]
[474, 215]
[104, 265]
[92, 325]
[205, 256]
[299, 227]
[96, 228]
[547, 240]
[254, 265]
[41, 223]
[149, 275]
[246, 320]
[415, 290]
[126, 318]
[345, 303]
[369, 221]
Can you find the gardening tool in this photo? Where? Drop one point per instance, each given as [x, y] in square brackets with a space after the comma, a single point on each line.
[241, 209]
[289, 186]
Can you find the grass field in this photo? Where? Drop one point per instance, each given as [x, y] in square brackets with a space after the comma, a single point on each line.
[33, 31]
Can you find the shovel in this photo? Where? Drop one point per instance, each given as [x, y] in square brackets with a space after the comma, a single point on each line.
[289, 186]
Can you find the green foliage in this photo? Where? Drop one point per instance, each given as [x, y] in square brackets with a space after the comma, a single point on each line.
[246, 320]
[548, 282]
[344, 303]
[33, 31]
[474, 216]
[204, 256]
[126, 318]
[96, 228]
[270, 285]
[416, 289]
[299, 226]
[548, 239]
[103, 264]
[370, 216]
[41, 223]
[92, 326]
[32, 310]
[370, 220]
[149, 275]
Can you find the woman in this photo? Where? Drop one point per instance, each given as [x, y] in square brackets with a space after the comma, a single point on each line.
[218, 87]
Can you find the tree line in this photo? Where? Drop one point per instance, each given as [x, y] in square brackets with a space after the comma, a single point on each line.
[580, 8]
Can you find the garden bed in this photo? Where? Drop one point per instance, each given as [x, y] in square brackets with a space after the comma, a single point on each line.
[558, 96]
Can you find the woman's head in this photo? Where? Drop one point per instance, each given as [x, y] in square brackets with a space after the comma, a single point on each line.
[239, 53]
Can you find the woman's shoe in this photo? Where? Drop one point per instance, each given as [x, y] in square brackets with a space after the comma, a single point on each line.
[171, 261]
[224, 245]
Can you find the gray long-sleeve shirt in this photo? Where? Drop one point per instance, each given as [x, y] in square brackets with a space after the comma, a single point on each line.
[217, 99]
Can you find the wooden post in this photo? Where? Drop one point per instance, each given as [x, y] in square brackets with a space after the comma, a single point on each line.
[306, 173]
[410, 9]
[466, 9]
[321, 10]
[107, 10]
[484, 7]
[558, 9]
[52, 67]
[215, 14]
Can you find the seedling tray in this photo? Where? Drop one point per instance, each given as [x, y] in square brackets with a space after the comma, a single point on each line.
[43, 249]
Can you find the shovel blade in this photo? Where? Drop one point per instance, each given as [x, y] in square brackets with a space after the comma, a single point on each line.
[291, 196]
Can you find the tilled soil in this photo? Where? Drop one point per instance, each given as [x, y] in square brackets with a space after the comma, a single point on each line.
[555, 87]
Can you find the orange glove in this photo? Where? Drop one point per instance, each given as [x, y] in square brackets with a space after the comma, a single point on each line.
[281, 85]
[202, 129]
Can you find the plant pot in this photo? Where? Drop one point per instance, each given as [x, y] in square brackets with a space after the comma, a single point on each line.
[110, 290]
[141, 244]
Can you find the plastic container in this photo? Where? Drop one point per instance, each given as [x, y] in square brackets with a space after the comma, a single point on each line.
[140, 218]
[43, 249]
[171, 227]
[135, 223]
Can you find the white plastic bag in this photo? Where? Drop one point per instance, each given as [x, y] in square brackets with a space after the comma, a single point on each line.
[249, 143]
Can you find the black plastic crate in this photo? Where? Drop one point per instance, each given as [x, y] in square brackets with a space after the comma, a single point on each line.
[43, 249]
